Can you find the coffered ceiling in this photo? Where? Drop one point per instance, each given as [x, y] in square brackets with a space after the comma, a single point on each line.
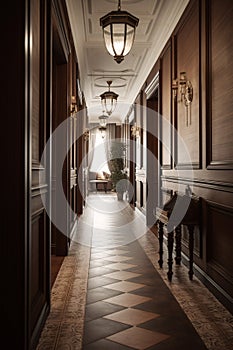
[157, 20]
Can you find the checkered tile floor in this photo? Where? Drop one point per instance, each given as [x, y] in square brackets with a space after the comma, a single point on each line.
[94, 292]
[130, 307]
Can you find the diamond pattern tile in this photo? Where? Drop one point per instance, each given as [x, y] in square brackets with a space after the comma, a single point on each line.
[104, 344]
[124, 286]
[132, 317]
[99, 271]
[136, 313]
[117, 258]
[122, 275]
[97, 263]
[120, 266]
[99, 255]
[100, 293]
[138, 338]
[127, 300]
[100, 309]
[99, 281]
[117, 251]
[101, 328]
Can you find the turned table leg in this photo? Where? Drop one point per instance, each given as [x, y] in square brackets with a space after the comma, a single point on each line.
[160, 244]
[178, 244]
[191, 241]
[170, 242]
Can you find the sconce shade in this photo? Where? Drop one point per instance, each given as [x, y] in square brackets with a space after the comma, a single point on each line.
[119, 32]
[108, 100]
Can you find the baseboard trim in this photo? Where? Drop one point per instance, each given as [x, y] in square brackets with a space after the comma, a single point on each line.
[141, 210]
[224, 298]
[73, 229]
[39, 326]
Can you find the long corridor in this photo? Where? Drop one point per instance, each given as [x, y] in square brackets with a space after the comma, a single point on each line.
[111, 294]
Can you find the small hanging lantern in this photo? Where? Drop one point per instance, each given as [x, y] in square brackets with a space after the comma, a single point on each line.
[108, 100]
[119, 31]
[102, 131]
[103, 120]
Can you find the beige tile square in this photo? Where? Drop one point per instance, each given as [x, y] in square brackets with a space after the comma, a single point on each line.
[127, 300]
[99, 255]
[122, 275]
[117, 258]
[132, 317]
[117, 251]
[138, 338]
[124, 286]
[120, 266]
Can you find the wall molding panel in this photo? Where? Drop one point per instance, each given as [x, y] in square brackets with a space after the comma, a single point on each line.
[202, 46]
[187, 59]
[219, 83]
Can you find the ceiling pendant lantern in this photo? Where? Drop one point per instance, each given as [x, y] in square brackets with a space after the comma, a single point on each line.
[103, 120]
[102, 131]
[119, 32]
[108, 100]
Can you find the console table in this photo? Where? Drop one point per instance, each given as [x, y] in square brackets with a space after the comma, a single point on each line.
[190, 219]
[98, 182]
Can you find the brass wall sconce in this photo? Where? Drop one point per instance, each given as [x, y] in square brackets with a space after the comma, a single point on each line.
[86, 135]
[73, 105]
[186, 93]
[135, 130]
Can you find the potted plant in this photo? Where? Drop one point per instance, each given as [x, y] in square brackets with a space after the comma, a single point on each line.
[118, 175]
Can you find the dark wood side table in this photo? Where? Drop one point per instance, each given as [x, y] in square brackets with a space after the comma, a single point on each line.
[190, 219]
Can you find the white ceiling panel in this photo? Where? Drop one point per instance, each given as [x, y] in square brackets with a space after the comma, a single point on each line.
[157, 20]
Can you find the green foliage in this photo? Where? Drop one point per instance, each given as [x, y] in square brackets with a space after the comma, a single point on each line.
[117, 166]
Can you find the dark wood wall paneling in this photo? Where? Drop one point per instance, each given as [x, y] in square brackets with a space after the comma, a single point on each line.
[153, 150]
[220, 107]
[166, 108]
[39, 251]
[201, 45]
[140, 176]
[59, 114]
[188, 51]
[67, 103]
[25, 238]
[14, 175]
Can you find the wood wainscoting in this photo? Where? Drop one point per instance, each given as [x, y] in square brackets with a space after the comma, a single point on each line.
[201, 46]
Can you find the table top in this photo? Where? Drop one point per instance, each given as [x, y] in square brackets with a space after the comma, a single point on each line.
[99, 180]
